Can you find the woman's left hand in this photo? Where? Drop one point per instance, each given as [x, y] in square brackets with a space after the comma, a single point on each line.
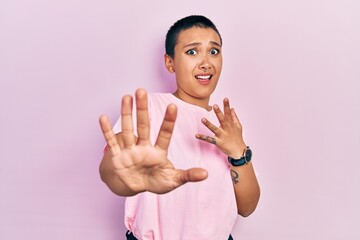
[228, 136]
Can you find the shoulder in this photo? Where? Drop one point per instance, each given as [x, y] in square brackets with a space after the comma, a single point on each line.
[161, 97]
[159, 100]
[157, 103]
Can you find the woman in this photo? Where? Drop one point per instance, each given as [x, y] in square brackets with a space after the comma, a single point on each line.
[149, 169]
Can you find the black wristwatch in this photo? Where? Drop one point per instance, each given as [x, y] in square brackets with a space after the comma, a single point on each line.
[245, 159]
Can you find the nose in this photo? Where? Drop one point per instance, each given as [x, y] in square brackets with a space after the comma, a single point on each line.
[205, 64]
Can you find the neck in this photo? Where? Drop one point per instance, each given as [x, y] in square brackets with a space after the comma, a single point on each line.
[204, 103]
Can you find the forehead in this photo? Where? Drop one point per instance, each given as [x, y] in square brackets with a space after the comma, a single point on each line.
[197, 34]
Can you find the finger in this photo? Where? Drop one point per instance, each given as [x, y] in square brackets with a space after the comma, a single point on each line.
[210, 126]
[108, 133]
[127, 121]
[167, 127]
[142, 115]
[227, 111]
[219, 115]
[235, 118]
[212, 140]
[192, 175]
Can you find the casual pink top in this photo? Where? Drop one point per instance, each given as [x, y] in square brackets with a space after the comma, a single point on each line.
[204, 210]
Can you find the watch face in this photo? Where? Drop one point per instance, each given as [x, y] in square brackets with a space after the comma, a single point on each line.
[248, 154]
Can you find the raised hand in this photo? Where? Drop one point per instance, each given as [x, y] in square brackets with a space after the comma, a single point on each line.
[228, 136]
[131, 164]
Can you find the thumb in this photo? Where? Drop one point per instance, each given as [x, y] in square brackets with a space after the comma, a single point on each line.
[193, 175]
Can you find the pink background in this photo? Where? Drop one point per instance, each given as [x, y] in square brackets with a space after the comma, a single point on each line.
[291, 69]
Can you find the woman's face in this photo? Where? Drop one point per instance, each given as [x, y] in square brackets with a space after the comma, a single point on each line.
[197, 64]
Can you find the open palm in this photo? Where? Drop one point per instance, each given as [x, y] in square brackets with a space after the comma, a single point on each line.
[131, 164]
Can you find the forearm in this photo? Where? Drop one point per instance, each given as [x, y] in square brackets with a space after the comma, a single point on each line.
[246, 187]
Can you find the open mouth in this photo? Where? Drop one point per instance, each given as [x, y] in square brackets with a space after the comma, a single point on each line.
[204, 79]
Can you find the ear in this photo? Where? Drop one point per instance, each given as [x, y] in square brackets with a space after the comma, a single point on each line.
[169, 63]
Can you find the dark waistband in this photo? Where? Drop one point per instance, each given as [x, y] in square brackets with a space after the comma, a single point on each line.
[130, 236]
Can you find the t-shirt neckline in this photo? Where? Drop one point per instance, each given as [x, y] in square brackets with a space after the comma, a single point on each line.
[182, 103]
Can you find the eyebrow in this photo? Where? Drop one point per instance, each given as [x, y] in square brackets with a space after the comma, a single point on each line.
[198, 43]
[216, 43]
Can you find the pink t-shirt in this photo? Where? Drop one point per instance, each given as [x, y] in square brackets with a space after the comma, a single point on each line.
[204, 210]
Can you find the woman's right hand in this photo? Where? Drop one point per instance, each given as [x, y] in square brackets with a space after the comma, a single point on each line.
[131, 164]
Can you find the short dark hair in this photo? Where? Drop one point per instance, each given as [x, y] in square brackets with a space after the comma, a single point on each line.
[183, 24]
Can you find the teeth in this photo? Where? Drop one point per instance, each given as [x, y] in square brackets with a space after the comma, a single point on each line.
[203, 77]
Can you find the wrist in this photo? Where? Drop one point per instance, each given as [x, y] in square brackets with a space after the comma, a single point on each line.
[244, 159]
[239, 152]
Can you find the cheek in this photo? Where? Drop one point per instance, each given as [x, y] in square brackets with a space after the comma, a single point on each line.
[186, 67]
[218, 65]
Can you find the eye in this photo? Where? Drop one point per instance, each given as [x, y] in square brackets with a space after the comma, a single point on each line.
[214, 51]
[191, 52]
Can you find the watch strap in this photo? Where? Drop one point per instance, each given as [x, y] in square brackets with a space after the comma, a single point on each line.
[245, 159]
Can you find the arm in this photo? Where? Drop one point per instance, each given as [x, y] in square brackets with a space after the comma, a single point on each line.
[246, 187]
[131, 164]
[228, 138]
